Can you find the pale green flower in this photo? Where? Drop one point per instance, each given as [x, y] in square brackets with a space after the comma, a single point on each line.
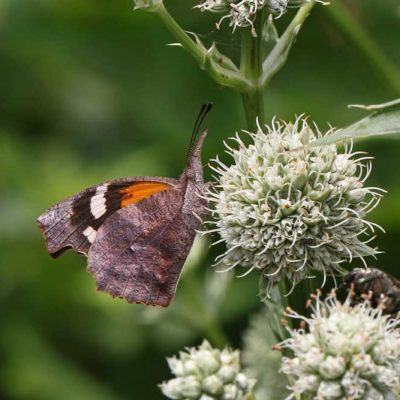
[206, 373]
[345, 353]
[287, 209]
[242, 13]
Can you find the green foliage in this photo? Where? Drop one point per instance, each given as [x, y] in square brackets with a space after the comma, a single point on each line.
[262, 361]
[90, 92]
[384, 119]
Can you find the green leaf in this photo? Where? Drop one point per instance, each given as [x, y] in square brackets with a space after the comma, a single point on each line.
[380, 108]
[269, 35]
[384, 119]
[261, 361]
[277, 57]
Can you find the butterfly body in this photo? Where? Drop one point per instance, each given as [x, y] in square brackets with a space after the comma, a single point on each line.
[136, 232]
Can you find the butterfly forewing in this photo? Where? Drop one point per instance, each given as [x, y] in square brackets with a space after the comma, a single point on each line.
[74, 222]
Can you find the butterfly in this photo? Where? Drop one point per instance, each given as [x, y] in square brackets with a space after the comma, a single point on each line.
[135, 232]
[381, 288]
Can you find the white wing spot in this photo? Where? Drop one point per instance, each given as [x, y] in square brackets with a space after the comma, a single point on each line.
[90, 233]
[98, 202]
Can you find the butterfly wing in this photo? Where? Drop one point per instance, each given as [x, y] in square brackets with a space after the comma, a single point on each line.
[139, 253]
[74, 222]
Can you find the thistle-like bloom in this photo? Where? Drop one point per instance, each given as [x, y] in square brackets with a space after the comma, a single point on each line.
[242, 13]
[206, 373]
[346, 353]
[287, 208]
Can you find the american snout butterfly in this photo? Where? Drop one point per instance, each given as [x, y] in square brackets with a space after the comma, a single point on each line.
[136, 232]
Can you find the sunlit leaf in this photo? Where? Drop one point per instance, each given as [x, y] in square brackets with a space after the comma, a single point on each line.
[384, 119]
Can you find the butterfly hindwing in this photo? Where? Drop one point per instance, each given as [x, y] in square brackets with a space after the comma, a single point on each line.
[139, 253]
[74, 222]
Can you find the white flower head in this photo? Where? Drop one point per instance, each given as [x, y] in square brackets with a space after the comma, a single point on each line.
[358, 348]
[206, 373]
[287, 208]
[242, 13]
[215, 6]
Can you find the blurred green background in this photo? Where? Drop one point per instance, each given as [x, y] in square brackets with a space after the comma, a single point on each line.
[89, 92]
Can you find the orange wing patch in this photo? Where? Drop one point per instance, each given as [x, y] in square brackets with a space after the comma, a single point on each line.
[140, 191]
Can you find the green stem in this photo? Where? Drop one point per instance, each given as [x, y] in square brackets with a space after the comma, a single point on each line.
[276, 302]
[385, 68]
[283, 291]
[219, 66]
[251, 68]
[180, 35]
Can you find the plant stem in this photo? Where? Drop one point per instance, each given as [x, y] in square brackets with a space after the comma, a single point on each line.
[251, 68]
[385, 68]
[219, 66]
[276, 302]
[183, 38]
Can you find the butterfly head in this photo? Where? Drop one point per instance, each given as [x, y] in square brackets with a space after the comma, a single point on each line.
[194, 168]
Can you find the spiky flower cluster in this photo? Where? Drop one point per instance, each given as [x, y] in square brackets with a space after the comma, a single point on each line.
[346, 353]
[288, 208]
[242, 13]
[206, 373]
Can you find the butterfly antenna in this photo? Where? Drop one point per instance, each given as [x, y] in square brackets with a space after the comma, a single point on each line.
[205, 108]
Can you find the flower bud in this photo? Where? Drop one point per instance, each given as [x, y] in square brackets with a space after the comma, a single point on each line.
[176, 366]
[147, 5]
[206, 373]
[332, 367]
[212, 385]
[227, 374]
[182, 388]
[330, 391]
[231, 392]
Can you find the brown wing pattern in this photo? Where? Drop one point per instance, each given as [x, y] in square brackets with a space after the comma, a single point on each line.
[138, 255]
[73, 223]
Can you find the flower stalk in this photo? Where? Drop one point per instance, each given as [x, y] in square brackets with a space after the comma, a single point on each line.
[219, 67]
[276, 302]
[256, 70]
[251, 67]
